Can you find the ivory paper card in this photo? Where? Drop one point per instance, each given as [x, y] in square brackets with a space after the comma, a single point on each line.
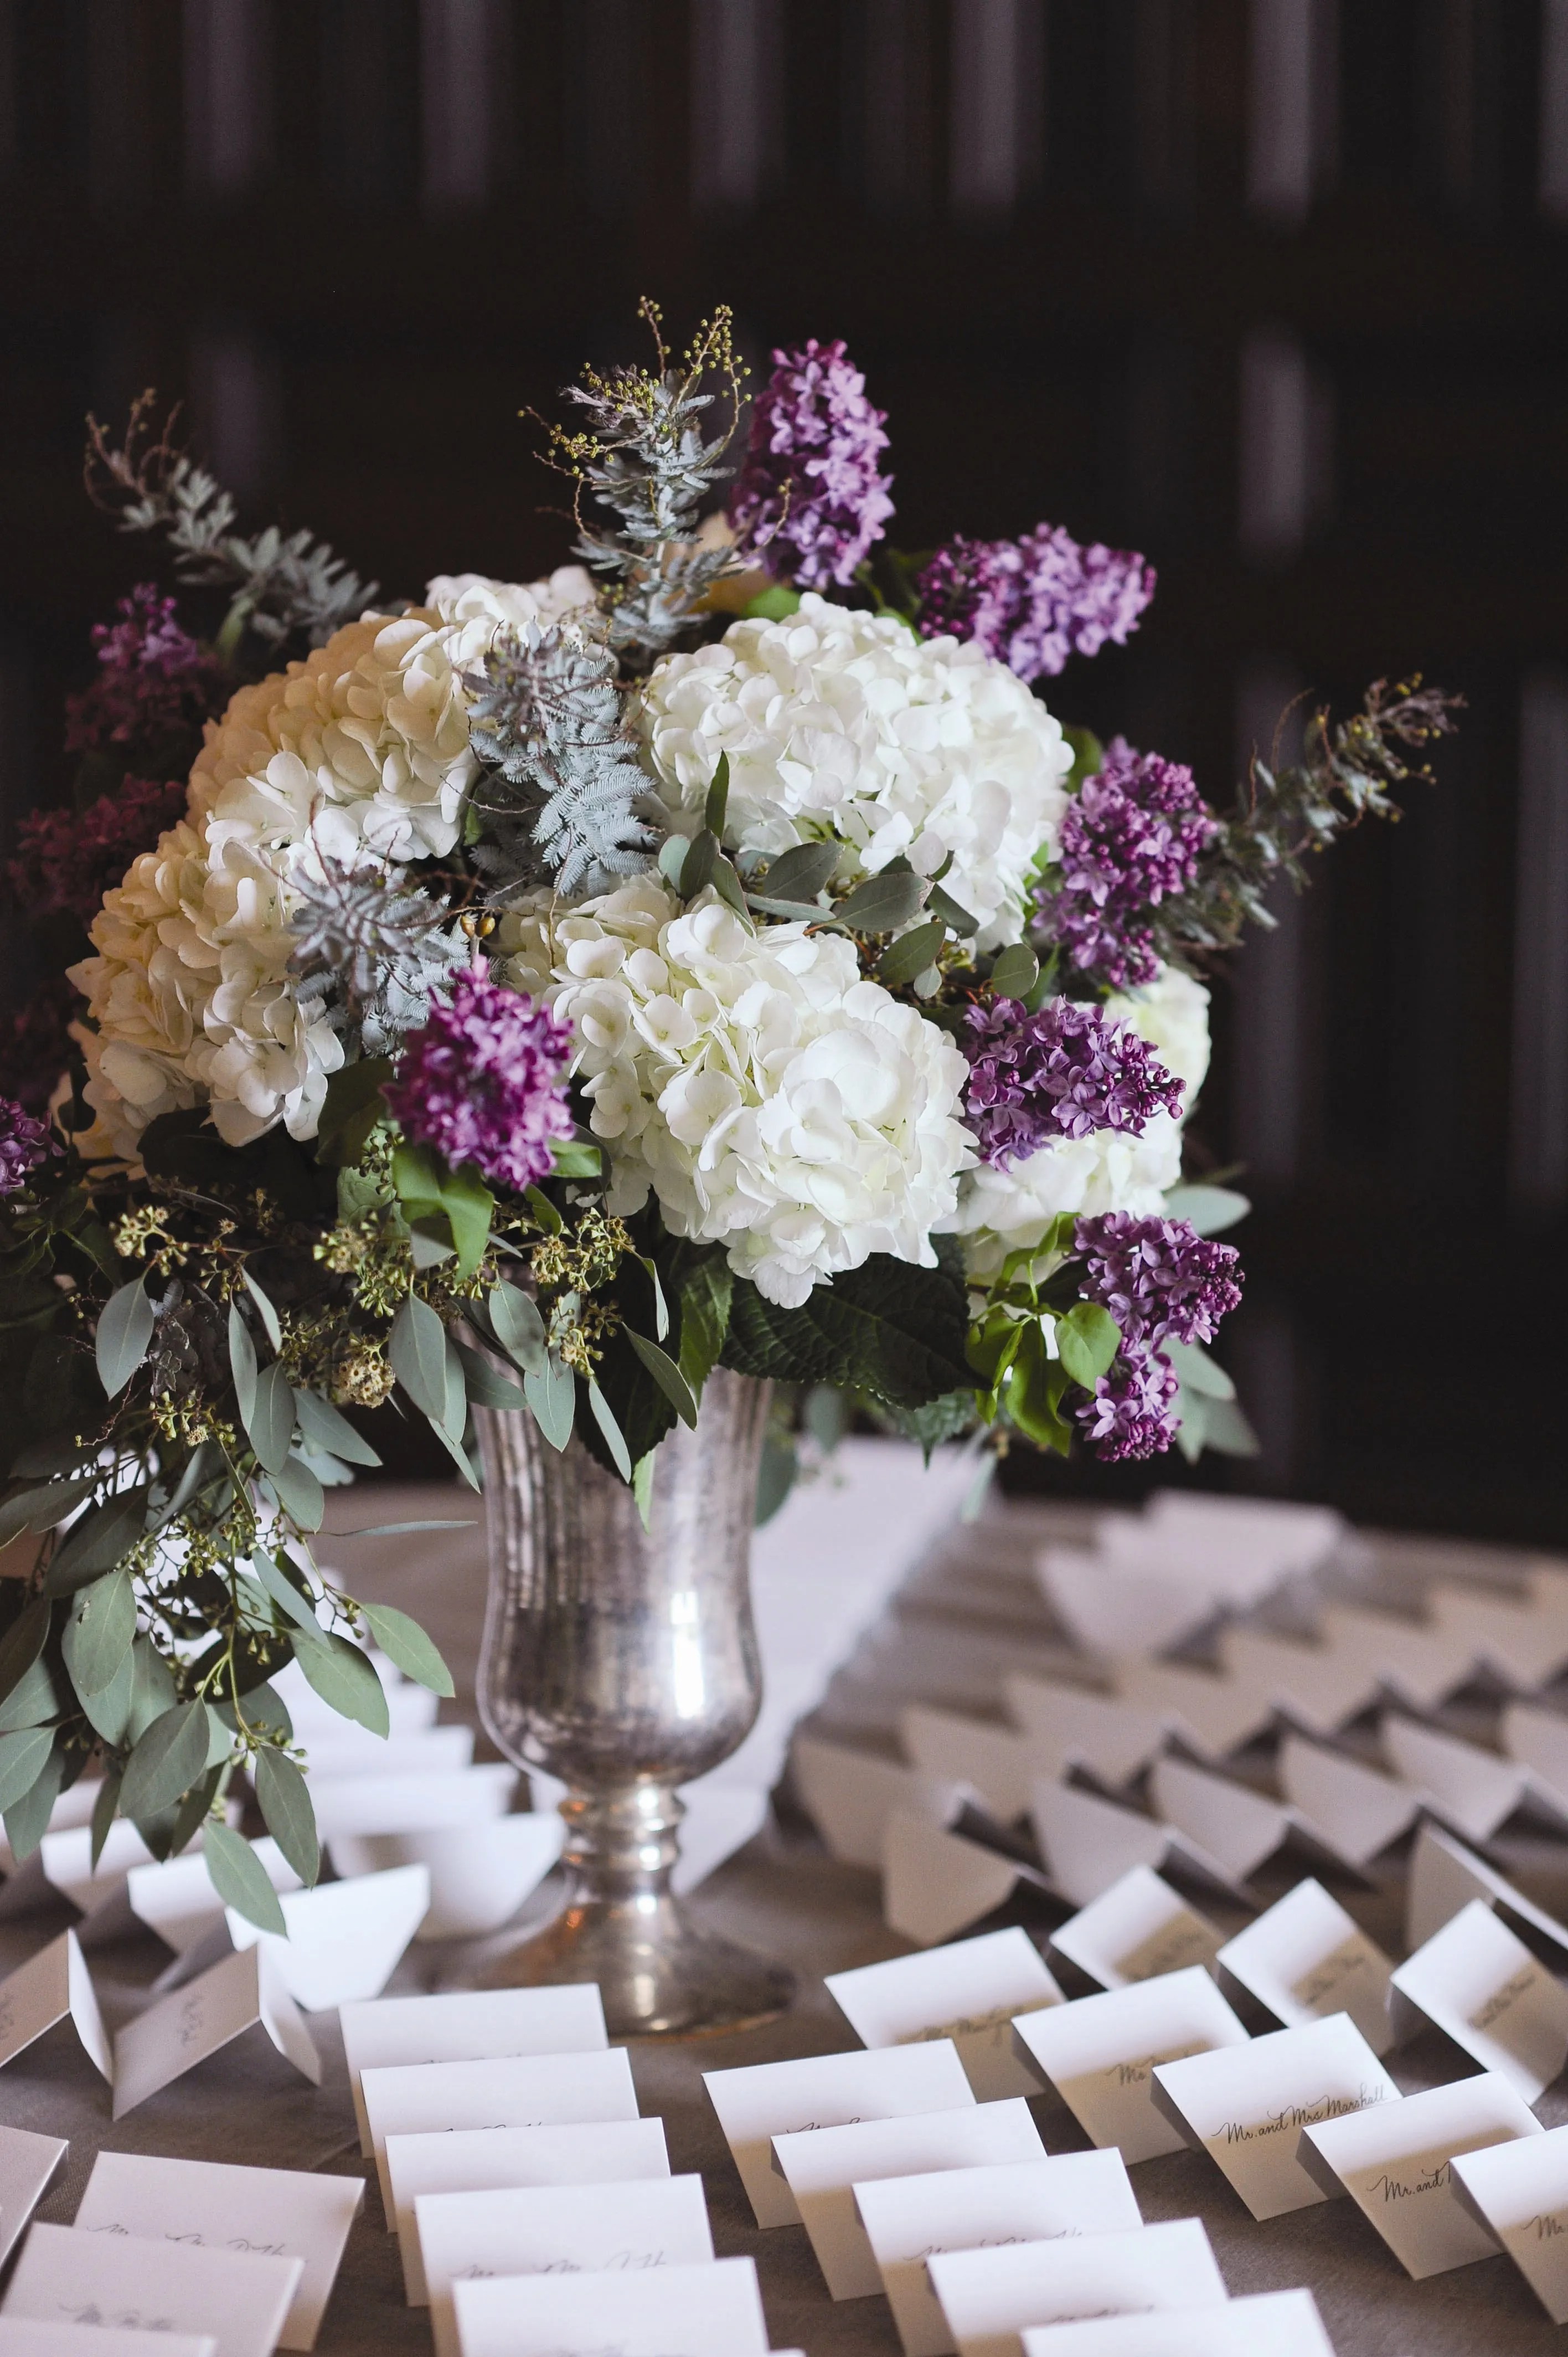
[935, 1883]
[28, 2165]
[764, 2099]
[991, 2298]
[1089, 1844]
[1471, 1790]
[1393, 2161]
[22, 2336]
[1212, 1716]
[478, 2160]
[177, 1898]
[1306, 1958]
[849, 1795]
[713, 2310]
[1525, 1646]
[239, 1995]
[345, 1939]
[1321, 1691]
[1285, 2323]
[553, 2230]
[411, 1802]
[1077, 1728]
[968, 1992]
[1135, 1930]
[240, 2298]
[908, 2220]
[55, 1985]
[1445, 1876]
[1304, 1535]
[525, 2090]
[287, 2213]
[1099, 2054]
[1353, 1811]
[337, 1749]
[1226, 1821]
[480, 1874]
[822, 2167]
[471, 2026]
[1115, 1609]
[1000, 1765]
[1247, 2106]
[1419, 1666]
[1482, 1986]
[1538, 1740]
[1519, 2192]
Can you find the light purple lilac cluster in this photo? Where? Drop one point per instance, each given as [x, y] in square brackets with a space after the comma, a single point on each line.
[1162, 1282]
[1035, 601]
[482, 1081]
[155, 684]
[810, 495]
[1062, 1071]
[1132, 838]
[23, 1144]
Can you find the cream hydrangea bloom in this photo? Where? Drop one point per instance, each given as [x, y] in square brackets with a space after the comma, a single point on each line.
[842, 723]
[767, 1095]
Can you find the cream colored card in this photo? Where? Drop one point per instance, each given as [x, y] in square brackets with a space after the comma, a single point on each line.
[634, 2228]
[1519, 2192]
[1302, 1537]
[1137, 1931]
[1393, 2161]
[764, 2099]
[480, 1873]
[991, 2298]
[935, 1883]
[1213, 1716]
[1232, 1567]
[27, 2165]
[822, 2167]
[1077, 1727]
[23, 2336]
[1247, 2106]
[707, 2311]
[969, 1992]
[1471, 1790]
[481, 2160]
[1306, 1958]
[996, 1762]
[517, 2091]
[849, 1795]
[241, 1994]
[1319, 1690]
[908, 2220]
[1285, 2323]
[1354, 1810]
[1419, 1664]
[1482, 1986]
[55, 1985]
[338, 1749]
[1525, 1645]
[289, 2213]
[1099, 2054]
[1089, 1844]
[411, 1802]
[344, 1939]
[175, 1899]
[471, 2026]
[1445, 1876]
[1228, 1822]
[1119, 1610]
[1538, 1740]
[122, 2281]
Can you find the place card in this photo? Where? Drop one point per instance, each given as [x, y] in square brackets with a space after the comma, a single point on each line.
[1099, 2054]
[25, 2335]
[763, 2100]
[1538, 1740]
[1221, 1567]
[1227, 1822]
[1305, 1959]
[53, 1986]
[1089, 1844]
[1137, 1931]
[550, 2230]
[240, 1995]
[1519, 2192]
[1212, 1716]
[1285, 2323]
[1119, 1610]
[345, 1939]
[479, 2160]
[1321, 1691]
[1525, 1646]
[1470, 1789]
[480, 1874]
[707, 2311]
[471, 2026]
[411, 1803]
[909, 2220]
[849, 1795]
[28, 2167]
[119, 2281]
[520, 2090]
[1393, 2161]
[991, 2298]
[339, 1748]
[997, 1763]
[969, 1992]
[822, 2166]
[935, 1883]
[1076, 1728]
[1355, 1811]
[1247, 2106]
[1301, 1537]
[175, 1898]
[1445, 1876]
[1419, 1666]
[1482, 1987]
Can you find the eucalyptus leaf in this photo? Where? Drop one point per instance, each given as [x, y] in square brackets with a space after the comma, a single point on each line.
[108, 1713]
[166, 1761]
[344, 1679]
[1227, 1431]
[300, 1494]
[883, 902]
[403, 1641]
[1209, 1210]
[125, 1330]
[802, 871]
[1015, 972]
[552, 1396]
[28, 1819]
[455, 1413]
[1198, 1371]
[544, 1210]
[99, 1633]
[642, 1487]
[283, 1798]
[239, 1877]
[22, 1757]
[427, 1251]
[605, 1418]
[97, 1543]
[952, 913]
[104, 1810]
[697, 866]
[23, 1643]
[911, 953]
[486, 1386]
[323, 1428]
[671, 853]
[518, 1327]
[46, 1508]
[34, 1698]
[269, 1315]
[667, 1375]
[417, 1349]
[282, 1592]
[396, 1529]
[730, 889]
[153, 1689]
[716, 808]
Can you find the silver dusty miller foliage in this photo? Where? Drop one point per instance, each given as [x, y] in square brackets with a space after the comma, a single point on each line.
[371, 952]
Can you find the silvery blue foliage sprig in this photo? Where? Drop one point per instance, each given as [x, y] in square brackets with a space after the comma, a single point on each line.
[372, 952]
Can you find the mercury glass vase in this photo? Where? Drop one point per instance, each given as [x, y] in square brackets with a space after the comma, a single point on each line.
[623, 1661]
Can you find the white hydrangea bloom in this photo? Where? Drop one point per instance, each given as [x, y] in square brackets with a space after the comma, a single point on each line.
[769, 1096]
[1002, 1211]
[842, 723]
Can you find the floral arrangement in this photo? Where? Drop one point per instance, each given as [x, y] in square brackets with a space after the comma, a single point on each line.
[529, 997]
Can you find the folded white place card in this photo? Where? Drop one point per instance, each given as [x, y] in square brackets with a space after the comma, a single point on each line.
[1099, 2054]
[1137, 1931]
[480, 1873]
[553, 2230]
[1212, 1716]
[469, 2027]
[1482, 1986]
[1238, 1828]
[991, 2298]
[1306, 1958]
[1420, 1665]
[28, 2165]
[1320, 1690]
[337, 1749]
[908, 2220]
[822, 2167]
[241, 1994]
[345, 1939]
[1117, 1609]
[706, 2310]
[1076, 1728]
[935, 1883]
[1393, 2161]
[1526, 1646]
[55, 1985]
[998, 1764]
[764, 2099]
[523, 2090]
[968, 1992]
[1089, 1844]
[25, 2335]
[284, 2213]
[176, 1897]
[478, 2160]
[1285, 2323]
[849, 1796]
[1354, 1810]
[1301, 1535]
[1538, 1740]
[240, 2298]
[1445, 1876]
[1237, 1568]
[406, 1804]
[1247, 2106]
[1471, 1790]
[1520, 2191]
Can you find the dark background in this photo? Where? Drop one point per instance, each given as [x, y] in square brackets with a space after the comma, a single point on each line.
[1274, 292]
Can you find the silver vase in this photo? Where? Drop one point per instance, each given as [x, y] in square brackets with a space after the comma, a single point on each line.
[623, 1661]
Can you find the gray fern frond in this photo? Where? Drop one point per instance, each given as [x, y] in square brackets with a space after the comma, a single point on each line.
[370, 952]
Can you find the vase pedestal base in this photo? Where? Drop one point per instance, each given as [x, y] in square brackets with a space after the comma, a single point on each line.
[660, 1974]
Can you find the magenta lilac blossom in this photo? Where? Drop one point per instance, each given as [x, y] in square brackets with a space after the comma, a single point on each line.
[1131, 1415]
[1063, 1071]
[1032, 602]
[1131, 838]
[811, 497]
[155, 684]
[23, 1144]
[483, 1081]
[1159, 1278]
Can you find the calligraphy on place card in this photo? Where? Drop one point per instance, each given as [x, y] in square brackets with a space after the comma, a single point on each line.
[1482, 1986]
[1099, 2054]
[1520, 2191]
[25, 2335]
[119, 2281]
[991, 2298]
[519, 2091]
[1247, 2106]
[1285, 2323]
[53, 1986]
[240, 1995]
[28, 2165]
[1137, 1931]
[469, 2027]
[969, 1992]
[1393, 2161]
[706, 2310]
[1306, 1958]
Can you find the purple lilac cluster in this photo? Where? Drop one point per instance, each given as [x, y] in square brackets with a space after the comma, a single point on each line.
[811, 484]
[67, 859]
[482, 1081]
[1131, 838]
[155, 686]
[1035, 601]
[1130, 1414]
[1162, 1282]
[23, 1144]
[1062, 1071]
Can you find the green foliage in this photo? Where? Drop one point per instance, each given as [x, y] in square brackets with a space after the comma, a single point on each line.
[892, 1330]
[426, 1189]
[284, 1798]
[239, 1878]
[404, 1642]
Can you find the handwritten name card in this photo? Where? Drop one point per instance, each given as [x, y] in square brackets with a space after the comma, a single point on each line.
[764, 2099]
[1247, 2106]
[969, 1992]
[241, 1994]
[1483, 1986]
[1519, 2190]
[1285, 2323]
[991, 2298]
[125, 2283]
[28, 2167]
[469, 2027]
[345, 1939]
[706, 2310]
[53, 1986]
[1137, 1931]
[480, 1873]
[1306, 1958]
[1100, 2053]
[528, 2090]
[24, 2336]
[998, 1764]
[1395, 2162]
